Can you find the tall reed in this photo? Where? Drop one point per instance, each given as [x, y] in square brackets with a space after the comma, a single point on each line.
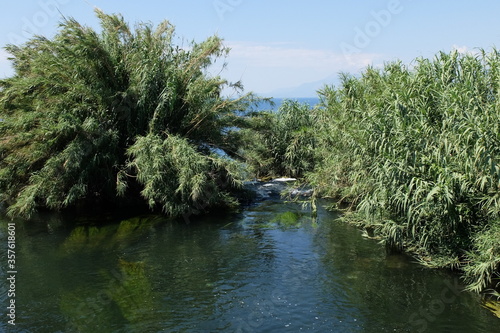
[99, 117]
[416, 149]
[282, 142]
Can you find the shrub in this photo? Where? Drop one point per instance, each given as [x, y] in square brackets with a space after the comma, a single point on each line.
[281, 143]
[91, 116]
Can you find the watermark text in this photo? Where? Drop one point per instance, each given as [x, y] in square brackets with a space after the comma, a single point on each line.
[11, 273]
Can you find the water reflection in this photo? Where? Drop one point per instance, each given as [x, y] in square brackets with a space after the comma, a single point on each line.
[126, 297]
[269, 269]
[391, 292]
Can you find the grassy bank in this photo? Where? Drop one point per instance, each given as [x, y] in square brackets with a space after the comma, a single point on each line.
[415, 150]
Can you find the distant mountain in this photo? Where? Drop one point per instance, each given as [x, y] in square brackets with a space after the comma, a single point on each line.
[305, 90]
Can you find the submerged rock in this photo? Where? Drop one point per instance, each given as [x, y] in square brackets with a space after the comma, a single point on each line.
[284, 180]
[302, 192]
[276, 189]
[266, 190]
[493, 306]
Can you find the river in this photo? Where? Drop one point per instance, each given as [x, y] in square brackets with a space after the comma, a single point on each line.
[269, 268]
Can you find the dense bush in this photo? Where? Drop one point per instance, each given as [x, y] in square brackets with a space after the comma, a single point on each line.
[282, 142]
[90, 116]
[417, 149]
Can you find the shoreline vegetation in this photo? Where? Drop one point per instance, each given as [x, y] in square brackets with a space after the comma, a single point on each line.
[120, 115]
[415, 150]
[126, 115]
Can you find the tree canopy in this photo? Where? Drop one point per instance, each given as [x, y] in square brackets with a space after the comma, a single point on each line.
[93, 116]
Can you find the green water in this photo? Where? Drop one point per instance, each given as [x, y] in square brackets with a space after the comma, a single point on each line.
[268, 269]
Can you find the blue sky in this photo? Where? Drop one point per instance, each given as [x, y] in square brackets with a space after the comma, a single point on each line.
[278, 46]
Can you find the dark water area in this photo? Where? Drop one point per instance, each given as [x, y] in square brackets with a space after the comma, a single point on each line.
[270, 268]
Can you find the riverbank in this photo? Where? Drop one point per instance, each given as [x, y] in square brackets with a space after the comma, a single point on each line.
[415, 151]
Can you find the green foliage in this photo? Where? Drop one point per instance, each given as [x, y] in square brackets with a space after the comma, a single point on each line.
[89, 116]
[417, 150]
[483, 269]
[281, 143]
[288, 219]
[176, 176]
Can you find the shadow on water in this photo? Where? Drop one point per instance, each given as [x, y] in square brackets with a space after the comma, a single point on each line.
[271, 268]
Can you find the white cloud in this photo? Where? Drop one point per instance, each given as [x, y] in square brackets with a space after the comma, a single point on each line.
[461, 49]
[282, 55]
[271, 66]
[466, 50]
